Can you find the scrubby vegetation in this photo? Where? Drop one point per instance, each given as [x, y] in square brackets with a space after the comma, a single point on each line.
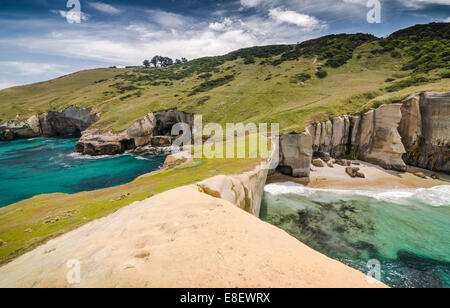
[211, 84]
[427, 45]
[252, 84]
[409, 82]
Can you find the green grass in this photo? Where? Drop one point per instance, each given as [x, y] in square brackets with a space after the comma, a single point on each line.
[30, 223]
[273, 84]
[245, 85]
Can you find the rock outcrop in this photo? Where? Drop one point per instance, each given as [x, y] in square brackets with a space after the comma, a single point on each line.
[295, 154]
[244, 190]
[69, 122]
[415, 132]
[425, 130]
[150, 130]
[372, 136]
[386, 148]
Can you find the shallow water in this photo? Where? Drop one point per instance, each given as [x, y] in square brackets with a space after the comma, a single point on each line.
[49, 165]
[408, 231]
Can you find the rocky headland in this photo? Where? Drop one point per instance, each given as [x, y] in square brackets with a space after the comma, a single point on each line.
[154, 129]
[415, 131]
[68, 122]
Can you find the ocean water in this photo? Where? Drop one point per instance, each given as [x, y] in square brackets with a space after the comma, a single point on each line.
[49, 165]
[407, 231]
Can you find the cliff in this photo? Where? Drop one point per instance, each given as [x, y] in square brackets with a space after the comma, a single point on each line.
[180, 238]
[154, 129]
[68, 122]
[425, 130]
[244, 190]
[415, 132]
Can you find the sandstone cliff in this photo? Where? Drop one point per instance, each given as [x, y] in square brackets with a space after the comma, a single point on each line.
[415, 131]
[150, 130]
[244, 190]
[69, 122]
[425, 130]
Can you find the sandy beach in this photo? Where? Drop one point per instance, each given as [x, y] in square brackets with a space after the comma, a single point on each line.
[375, 178]
[180, 238]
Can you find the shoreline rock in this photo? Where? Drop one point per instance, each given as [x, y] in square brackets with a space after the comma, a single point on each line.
[153, 130]
[414, 132]
[69, 122]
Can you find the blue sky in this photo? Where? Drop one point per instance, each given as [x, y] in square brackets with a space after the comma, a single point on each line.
[38, 43]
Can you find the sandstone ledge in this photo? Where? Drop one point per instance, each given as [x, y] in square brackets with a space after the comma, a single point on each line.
[180, 238]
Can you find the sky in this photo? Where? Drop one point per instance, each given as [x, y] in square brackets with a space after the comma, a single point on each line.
[42, 39]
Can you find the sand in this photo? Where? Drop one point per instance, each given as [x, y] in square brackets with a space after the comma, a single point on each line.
[376, 178]
[180, 238]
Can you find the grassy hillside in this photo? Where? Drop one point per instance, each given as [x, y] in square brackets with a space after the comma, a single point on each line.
[290, 84]
[30, 223]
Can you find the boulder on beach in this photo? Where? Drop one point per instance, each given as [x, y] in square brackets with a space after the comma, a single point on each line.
[318, 163]
[354, 172]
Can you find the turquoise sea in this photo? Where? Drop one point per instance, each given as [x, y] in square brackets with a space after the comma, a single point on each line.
[406, 230]
[48, 165]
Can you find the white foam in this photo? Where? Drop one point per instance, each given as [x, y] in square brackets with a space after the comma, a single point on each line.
[436, 196]
[89, 157]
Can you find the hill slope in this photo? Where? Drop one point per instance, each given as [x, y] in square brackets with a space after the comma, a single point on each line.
[290, 84]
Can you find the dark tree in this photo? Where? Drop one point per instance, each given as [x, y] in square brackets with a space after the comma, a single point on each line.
[178, 61]
[165, 61]
[146, 63]
[155, 61]
[184, 60]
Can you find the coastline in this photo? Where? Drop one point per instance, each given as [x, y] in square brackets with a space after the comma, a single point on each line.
[162, 242]
[376, 178]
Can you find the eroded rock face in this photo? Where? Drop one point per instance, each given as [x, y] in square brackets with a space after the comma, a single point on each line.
[385, 148]
[150, 130]
[69, 122]
[372, 136]
[296, 152]
[425, 130]
[244, 190]
[416, 132]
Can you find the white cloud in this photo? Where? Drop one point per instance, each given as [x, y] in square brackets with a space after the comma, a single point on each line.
[292, 17]
[362, 2]
[33, 68]
[167, 19]
[418, 4]
[104, 7]
[221, 26]
[251, 3]
[6, 85]
[129, 45]
[447, 20]
[72, 17]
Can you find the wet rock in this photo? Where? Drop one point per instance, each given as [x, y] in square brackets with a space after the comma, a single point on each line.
[435, 177]
[330, 164]
[318, 163]
[343, 162]
[354, 172]
[420, 175]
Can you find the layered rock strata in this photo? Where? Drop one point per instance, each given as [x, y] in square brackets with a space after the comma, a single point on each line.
[415, 132]
[68, 122]
[153, 130]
